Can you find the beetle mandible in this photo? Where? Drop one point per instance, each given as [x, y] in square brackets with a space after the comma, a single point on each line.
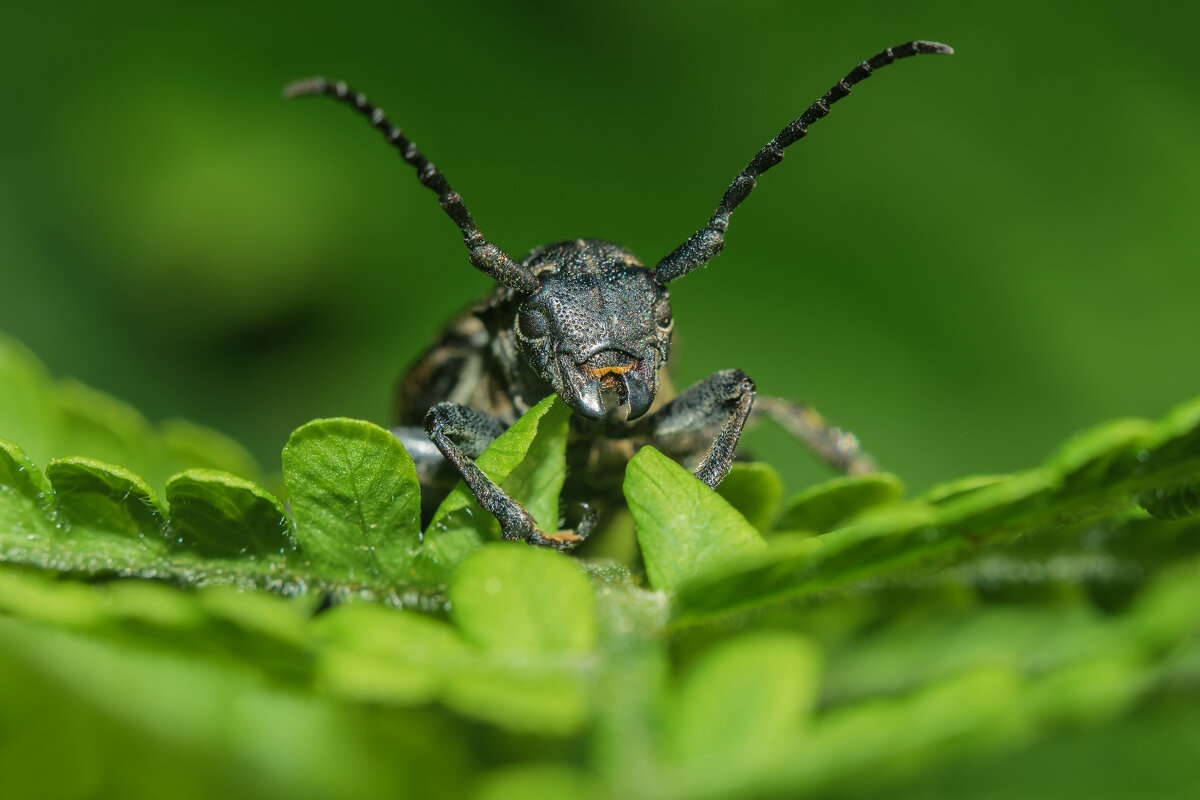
[586, 320]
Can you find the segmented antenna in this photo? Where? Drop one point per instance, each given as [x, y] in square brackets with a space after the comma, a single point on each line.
[487, 257]
[707, 242]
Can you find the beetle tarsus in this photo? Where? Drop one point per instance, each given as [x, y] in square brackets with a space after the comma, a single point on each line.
[567, 540]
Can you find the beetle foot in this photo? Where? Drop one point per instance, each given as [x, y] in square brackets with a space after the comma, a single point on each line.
[568, 539]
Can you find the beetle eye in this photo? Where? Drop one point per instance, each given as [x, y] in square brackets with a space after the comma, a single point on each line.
[664, 319]
[533, 324]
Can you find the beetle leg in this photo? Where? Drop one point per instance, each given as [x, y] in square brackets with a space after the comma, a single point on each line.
[725, 396]
[461, 434]
[428, 460]
[568, 539]
[838, 448]
[436, 475]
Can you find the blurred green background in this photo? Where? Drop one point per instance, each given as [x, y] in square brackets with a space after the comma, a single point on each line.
[969, 260]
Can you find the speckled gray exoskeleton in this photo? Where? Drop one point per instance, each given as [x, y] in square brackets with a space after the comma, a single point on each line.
[587, 320]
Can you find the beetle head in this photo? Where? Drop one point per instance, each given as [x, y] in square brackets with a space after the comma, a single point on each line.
[600, 324]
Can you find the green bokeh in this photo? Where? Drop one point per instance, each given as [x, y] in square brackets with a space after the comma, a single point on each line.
[970, 259]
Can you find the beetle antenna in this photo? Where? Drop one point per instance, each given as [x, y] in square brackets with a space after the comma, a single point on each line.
[487, 257]
[706, 243]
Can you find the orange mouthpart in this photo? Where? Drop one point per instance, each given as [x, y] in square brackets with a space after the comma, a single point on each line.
[600, 372]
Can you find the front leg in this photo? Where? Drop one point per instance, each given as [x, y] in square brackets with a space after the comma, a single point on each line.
[457, 430]
[726, 396]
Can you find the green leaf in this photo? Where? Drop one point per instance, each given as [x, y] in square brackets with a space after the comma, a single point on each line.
[32, 595]
[19, 473]
[26, 502]
[191, 446]
[739, 707]
[354, 492]
[526, 618]
[1096, 762]
[545, 781]
[106, 500]
[28, 413]
[537, 481]
[260, 614]
[103, 519]
[866, 742]
[160, 719]
[1107, 451]
[98, 426]
[755, 490]
[546, 697]
[218, 514]
[829, 505]
[1175, 503]
[1176, 448]
[383, 655]
[753, 578]
[510, 597]
[960, 487]
[896, 659]
[1178, 440]
[1165, 613]
[528, 461]
[531, 612]
[69, 419]
[683, 527]
[1097, 472]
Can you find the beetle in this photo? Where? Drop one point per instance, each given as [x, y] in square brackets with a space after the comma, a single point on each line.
[587, 320]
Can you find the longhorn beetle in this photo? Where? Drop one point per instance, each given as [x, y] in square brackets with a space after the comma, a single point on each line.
[586, 320]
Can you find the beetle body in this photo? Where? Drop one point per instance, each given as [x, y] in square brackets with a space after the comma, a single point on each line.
[585, 319]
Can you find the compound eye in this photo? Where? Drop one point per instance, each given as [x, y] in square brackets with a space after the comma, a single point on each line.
[664, 320]
[533, 324]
